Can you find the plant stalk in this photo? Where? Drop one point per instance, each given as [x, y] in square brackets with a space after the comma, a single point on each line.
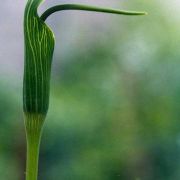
[33, 125]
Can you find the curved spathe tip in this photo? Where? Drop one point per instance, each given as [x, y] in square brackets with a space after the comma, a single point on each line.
[83, 7]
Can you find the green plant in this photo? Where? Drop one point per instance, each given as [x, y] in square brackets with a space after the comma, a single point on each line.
[39, 47]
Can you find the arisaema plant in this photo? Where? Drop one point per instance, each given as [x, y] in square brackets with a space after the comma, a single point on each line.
[39, 47]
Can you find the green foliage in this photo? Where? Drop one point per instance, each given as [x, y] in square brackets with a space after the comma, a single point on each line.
[39, 48]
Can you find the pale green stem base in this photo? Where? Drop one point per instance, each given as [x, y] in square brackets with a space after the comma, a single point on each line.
[33, 125]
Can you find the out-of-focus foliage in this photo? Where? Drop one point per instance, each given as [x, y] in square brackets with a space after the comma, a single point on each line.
[115, 98]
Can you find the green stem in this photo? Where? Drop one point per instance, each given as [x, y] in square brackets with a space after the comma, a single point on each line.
[33, 124]
[82, 7]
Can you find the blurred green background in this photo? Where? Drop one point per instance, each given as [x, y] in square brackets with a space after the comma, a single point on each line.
[115, 94]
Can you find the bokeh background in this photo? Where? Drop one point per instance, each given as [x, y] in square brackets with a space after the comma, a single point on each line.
[115, 94]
